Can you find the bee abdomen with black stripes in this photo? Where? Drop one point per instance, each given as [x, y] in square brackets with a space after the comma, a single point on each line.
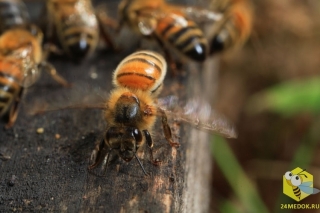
[183, 35]
[10, 76]
[297, 192]
[13, 13]
[76, 26]
[144, 70]
[79, 41]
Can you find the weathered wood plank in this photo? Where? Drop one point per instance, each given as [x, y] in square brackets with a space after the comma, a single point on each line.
[51, 174]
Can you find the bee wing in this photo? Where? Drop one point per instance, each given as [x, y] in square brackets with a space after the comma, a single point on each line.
[305, 187]
[199, 114]
[199, 15]
[79, 97]
[147, 21]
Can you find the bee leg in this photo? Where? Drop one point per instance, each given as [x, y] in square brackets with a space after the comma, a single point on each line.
[50, 48]
[169, 59]
[99, 154]
[167, 129]
[150, 145]
[105, 164]
[49, 68]
[104, 20]
[13, 113]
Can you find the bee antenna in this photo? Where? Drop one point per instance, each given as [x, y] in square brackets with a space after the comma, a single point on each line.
[144, 171]
[303, 174]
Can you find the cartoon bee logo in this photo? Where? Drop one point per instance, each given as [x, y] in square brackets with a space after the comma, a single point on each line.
[300, 184]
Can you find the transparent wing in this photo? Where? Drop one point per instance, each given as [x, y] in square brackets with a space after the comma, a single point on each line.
[81, 96]
[197, 14]
[202, 15]
[307, 184]
[199, 114]
[147, 20]
[305, 187]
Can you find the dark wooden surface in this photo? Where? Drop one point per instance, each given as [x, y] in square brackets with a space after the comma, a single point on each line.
[51, 174]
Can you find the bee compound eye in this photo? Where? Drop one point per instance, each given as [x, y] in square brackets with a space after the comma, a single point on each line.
[137, 135]
[296, 180]
[288, 175]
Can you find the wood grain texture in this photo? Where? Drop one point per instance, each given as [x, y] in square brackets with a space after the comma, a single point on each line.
[51, 174]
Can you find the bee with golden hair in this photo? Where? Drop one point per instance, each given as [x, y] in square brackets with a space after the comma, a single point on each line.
[21, 58]
[132, 109]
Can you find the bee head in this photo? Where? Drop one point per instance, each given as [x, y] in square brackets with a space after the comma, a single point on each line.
[124, 140]
[294, 180]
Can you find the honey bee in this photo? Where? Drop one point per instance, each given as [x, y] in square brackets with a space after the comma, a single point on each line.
[21, 57]
[234, 28]
[76, 26]
[12, 13]
[297, 184]
[131, 110]
[170, 25]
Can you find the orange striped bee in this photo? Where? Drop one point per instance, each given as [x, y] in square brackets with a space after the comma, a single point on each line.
[13, 13]
[234, 28]
[132, 109]
[21, 57]
[75, 25]
[168, 24]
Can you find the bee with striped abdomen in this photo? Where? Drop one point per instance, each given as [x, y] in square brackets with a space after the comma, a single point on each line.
[234, 28]
[13, 13]
[21, 57]
[298, 185]
[170, 25]
[75, 25]
[132, 109]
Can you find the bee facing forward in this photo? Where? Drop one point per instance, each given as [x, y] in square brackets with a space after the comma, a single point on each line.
[13, 13]
[75, 25]
[167, 24]
[20, 59]
[297, 184]
[131, 111]
[234, 28]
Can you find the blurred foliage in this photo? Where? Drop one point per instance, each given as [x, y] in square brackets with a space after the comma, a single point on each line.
[271, 90]
[244, 189]
[288, 98]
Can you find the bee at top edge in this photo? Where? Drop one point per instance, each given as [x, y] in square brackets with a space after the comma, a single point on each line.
[21, 58]
[131, 110]
[172, 26]
[233, 30]
[75, 26]
[13, 14]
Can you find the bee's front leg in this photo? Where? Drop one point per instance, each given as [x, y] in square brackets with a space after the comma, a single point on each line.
[167, 129]
[99, 155]
[150, 145]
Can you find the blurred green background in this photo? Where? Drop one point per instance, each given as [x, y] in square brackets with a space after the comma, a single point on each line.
[271, 89]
